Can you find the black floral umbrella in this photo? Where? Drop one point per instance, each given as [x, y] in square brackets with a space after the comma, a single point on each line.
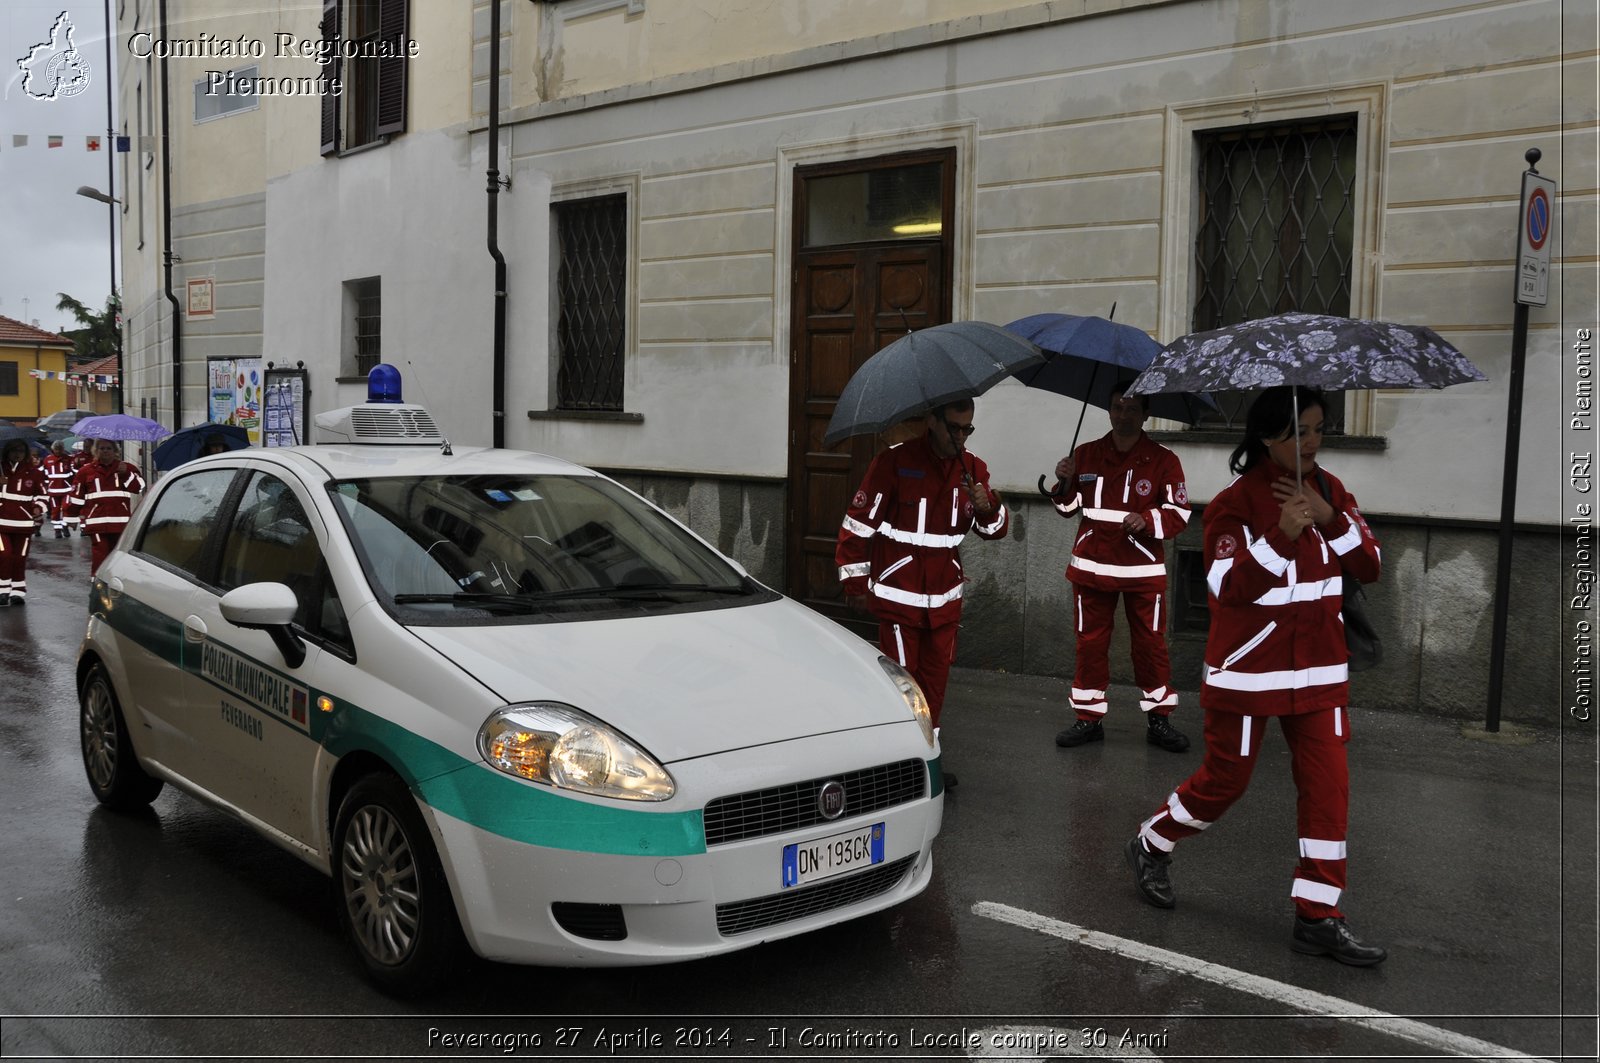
[1307, 350]
[1311, 350]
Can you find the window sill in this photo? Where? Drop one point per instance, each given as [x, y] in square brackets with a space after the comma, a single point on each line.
[1232, 438]
[586, 415]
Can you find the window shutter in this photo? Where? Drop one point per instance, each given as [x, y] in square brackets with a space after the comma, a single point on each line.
[392, 70]
[330, 102]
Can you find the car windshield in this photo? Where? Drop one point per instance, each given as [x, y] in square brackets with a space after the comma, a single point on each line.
[524, 544]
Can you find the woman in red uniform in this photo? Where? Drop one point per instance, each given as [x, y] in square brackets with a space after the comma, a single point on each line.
[1276, 552]
[23, 504]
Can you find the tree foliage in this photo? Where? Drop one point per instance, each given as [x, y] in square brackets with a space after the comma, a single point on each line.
[99, 335]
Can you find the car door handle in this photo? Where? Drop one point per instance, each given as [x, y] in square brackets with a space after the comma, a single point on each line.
[194, 629]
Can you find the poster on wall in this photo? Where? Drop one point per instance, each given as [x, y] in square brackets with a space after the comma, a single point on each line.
[283, 411]
[234, 386]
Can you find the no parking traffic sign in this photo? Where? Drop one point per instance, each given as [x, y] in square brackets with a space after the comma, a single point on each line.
[1533, 239]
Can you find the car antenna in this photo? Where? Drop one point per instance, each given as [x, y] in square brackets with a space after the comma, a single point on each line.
[444, 446]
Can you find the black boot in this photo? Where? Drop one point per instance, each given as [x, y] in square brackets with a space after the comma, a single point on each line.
[1081, 732]
[1330, 937]
[1150, 874]
[1160, 732]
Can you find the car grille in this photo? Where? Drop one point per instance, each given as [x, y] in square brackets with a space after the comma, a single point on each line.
[780, 809]
[741, 917]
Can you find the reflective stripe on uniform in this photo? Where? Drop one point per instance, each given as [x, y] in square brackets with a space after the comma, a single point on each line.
[1286, 679]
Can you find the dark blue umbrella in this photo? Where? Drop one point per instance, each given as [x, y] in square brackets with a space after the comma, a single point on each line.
[188, 443]
[1093, 355]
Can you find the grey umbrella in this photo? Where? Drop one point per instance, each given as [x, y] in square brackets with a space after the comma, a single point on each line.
[923, 370]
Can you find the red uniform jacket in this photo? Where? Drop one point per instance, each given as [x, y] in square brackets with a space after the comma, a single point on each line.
[22, 498]
[901, 538]
[102, 495]
[1277, 644]
[58, 470]
[1147, 480]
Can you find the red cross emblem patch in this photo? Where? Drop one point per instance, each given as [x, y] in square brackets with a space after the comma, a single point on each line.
[1226, 545]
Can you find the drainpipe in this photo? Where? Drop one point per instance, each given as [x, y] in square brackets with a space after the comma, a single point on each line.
[498, 398]
[166, 234]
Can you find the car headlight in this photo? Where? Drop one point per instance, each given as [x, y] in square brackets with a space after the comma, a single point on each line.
[915, 701]
[558, 745]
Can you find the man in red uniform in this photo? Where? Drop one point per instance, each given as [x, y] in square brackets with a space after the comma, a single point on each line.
[23, 504]
[102, 495]
[58, 470]
[1132, 494]
[899, 548]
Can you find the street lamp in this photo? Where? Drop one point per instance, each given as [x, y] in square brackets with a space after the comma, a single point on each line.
[89, 192]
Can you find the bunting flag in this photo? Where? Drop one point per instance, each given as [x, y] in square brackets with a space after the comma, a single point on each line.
[91, 142]
[99, 380]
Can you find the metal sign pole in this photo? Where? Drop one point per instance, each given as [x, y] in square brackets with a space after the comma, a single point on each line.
[1532, 287]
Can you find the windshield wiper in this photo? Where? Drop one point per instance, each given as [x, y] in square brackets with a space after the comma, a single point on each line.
[636, 591]
[468, 598]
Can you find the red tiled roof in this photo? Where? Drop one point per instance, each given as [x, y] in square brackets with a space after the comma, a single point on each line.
[107, 365]
[15, 333]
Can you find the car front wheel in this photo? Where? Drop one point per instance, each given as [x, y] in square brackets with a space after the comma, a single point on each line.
[108, 758]
[394, 901]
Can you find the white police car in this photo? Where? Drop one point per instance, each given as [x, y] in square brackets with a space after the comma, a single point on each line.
[503, 701]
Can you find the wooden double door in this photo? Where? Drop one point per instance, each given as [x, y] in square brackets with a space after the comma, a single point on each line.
[850, 300]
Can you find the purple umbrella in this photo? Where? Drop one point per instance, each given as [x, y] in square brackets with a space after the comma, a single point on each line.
[121, 426]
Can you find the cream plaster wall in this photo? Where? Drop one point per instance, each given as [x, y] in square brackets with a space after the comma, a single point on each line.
[1071, 210]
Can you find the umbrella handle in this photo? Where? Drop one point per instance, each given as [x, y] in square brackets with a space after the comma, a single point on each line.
[1052, 492]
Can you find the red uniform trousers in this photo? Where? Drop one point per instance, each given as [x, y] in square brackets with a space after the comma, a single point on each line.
[14, 565]
[1095, 614]
[925, 652]
[1321, 778]
[99, 548]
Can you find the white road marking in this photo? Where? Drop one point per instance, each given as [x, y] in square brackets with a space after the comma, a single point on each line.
[1302, 1001]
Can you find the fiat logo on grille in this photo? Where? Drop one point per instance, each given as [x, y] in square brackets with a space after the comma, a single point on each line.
[830, 799]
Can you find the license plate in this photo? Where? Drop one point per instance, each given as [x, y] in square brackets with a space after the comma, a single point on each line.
[823, 858]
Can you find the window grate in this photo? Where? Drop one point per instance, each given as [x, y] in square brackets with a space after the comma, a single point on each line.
[780, 809]
[592, 244]
[1277, 229]
[368, 323]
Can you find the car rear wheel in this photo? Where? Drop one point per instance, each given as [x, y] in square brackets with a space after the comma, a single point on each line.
[108, 758]
[394, 901]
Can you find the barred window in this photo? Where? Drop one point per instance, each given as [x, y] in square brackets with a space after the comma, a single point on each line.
[591, 254]
[363, 301]
[1276, 232]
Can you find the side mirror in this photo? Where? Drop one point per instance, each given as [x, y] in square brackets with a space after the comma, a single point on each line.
[268, 607]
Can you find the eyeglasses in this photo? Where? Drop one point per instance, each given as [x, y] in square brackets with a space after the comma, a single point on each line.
[959, 429]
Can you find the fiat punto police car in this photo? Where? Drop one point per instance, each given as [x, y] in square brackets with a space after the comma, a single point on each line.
[503, 701]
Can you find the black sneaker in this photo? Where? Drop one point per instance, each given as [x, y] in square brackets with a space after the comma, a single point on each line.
[1150, 874]
[1160, 732]
[1081, 732]
[1330, 937]
[950, 781]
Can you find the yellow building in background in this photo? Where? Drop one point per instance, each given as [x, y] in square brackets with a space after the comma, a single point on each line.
[25, 398]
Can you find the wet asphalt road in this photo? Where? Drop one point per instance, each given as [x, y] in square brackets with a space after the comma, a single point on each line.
[179, 933]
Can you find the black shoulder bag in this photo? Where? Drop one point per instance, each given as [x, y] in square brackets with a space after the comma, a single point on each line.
[1366, 648]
